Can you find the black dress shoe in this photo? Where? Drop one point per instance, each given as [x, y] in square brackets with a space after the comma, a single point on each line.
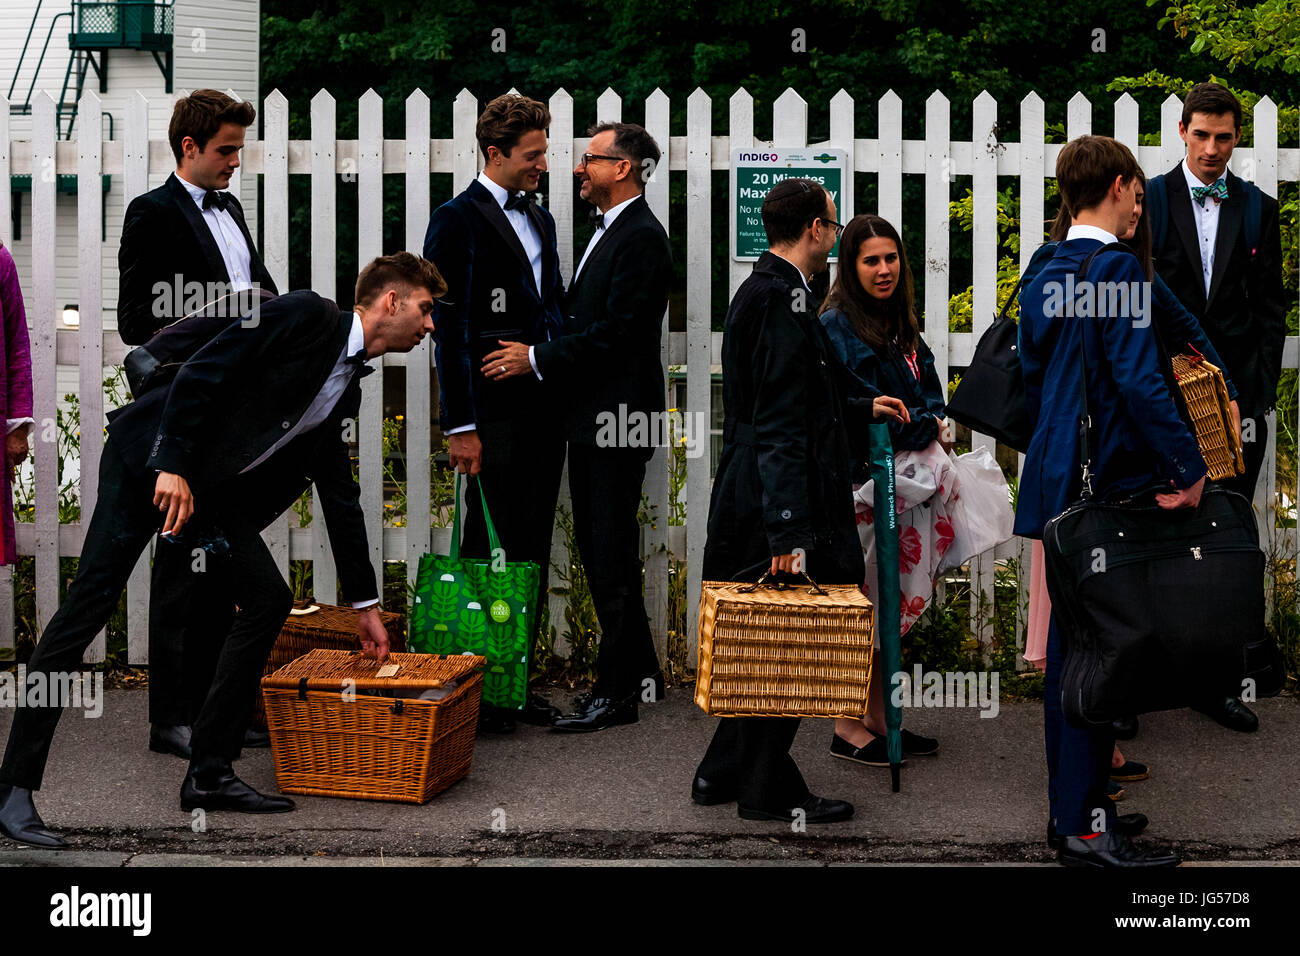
[1129, 824]
[709, 794]
[1231, 713]
[814, 810]
[538, 711]
[20, 821]
[1112, 849]
[496, 720]
[1124, 728]
[170, 739]
[601, 712]
[257, 738]
[211, 784]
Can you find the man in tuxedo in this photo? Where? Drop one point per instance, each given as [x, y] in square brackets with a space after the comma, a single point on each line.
[250, 420]
[607, 368]
[495, 246]
[1231, 282]
[185, 245]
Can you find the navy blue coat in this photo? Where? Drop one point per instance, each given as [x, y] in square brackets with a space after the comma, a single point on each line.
[491, 295]
[1138, 438]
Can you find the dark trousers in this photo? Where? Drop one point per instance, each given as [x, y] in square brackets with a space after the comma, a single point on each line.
[605, 485]
[520, 478]
[189, 616]
[753, 755]
[124, 521]
[1254, 454]
[1078, 760]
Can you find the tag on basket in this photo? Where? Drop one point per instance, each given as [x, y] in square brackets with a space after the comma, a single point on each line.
[388, 670]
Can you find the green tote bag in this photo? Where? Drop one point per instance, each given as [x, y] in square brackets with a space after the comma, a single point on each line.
[484, 606]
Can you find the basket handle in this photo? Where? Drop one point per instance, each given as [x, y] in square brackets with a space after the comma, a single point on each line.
[768, 580]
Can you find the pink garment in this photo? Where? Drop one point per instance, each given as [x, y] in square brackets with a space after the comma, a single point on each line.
[16, 389]
[1040, 609]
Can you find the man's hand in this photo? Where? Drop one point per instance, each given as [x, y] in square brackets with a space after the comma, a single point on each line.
[507, 362]
[465, 452]
[172, 495]
[1236, 417]
[887, 407]
[16, 446]
[372, 634]
[1187, 498]
[788, 563]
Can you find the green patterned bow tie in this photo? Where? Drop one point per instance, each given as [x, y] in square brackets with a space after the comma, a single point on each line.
[1218, 192]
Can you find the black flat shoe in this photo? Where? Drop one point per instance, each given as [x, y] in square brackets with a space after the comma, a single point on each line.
[212, 785]
[496, 720]
[1231, 713]
[257, 738]
[709, 794]
[659, 690]
[1129, 824]
[915, 745]
[601, 712]
[812, 810]
[1129, 771]
[1124, 728]
[1112, 849]
[873, 754]
[174, 740]
[538, 711]
[20, 821]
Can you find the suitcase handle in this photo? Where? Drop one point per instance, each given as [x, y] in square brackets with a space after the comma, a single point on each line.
[768, 580]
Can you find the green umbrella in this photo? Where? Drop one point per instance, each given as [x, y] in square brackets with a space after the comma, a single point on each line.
[880, 464]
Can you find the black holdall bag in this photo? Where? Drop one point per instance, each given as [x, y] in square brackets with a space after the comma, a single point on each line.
[990, 398]
[1157, 609]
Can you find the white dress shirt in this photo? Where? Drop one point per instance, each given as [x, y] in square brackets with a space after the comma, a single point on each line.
[1206, 218]
[1090, 232]
[228, 237]
[608, 220]
[529, 238]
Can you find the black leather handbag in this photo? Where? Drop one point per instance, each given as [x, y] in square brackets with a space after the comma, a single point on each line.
[1156, 608]
[990, 398]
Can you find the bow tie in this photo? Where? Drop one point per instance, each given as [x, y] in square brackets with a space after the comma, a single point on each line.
[523, 199]
[358, 361]
[214, 198]
[1218, 191]
[597, 217]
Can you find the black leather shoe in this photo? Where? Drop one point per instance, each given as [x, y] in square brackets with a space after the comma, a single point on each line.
[211, 784]
[20, 821]
[538, 711]
[601, 712]
[1231, 713]
[709, 794]
[1124, 728]
[814, 810]
[174, 740]
[1129, 824]
[496, 720]
[1112, 849]
[257, 738]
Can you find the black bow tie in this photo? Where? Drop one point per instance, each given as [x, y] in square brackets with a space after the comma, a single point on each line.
[597, 217]
[214, 198]
[523, 199]
[358, 361]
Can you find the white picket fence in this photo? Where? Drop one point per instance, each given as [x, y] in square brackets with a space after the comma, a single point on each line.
[323, 157]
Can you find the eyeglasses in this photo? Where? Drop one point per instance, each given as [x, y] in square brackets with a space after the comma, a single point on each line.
[839, 226]
[588, 157]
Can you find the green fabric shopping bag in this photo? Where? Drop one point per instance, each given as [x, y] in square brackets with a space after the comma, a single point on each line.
[481, 606]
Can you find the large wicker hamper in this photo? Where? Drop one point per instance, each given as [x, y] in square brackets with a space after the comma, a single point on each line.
[1206, 396]
[790, 652]
[332, 737]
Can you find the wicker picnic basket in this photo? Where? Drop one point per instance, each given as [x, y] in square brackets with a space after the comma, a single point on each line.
[1206, 395]
[331, 627]
[780, 651]
[332, 737]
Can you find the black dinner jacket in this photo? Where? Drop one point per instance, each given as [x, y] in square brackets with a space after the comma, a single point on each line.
[613, 316]
[1244, 314]
[163, 236]
[236, 397]
[491, 296]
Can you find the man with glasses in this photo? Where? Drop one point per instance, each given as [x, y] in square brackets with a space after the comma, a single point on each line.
[495, 246]
[607, 369]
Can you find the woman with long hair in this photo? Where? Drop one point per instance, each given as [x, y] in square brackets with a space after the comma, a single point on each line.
[870, 317]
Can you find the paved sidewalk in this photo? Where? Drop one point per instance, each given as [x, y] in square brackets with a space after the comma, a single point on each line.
[623, 795]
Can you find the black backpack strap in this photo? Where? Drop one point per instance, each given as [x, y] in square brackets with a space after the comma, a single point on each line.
[1254, 214]
[1157, 212]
